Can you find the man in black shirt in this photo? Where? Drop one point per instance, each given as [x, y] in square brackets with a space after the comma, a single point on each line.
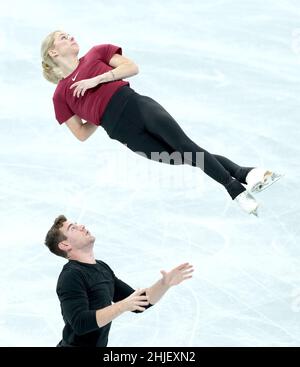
[90, 294]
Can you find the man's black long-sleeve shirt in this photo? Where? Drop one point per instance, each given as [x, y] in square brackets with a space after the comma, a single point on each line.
[82, 289]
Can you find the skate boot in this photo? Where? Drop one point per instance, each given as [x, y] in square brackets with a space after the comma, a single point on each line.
[259, 179]
[247, 202]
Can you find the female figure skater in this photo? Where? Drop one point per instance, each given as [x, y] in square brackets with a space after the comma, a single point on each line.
[91, 88]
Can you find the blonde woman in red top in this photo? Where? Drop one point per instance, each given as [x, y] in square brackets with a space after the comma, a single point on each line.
[91, 88]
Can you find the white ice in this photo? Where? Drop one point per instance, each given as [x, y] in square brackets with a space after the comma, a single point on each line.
[228, 71]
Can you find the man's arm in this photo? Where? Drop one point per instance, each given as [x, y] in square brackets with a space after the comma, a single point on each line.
[123, 290]
[74, 301]
[157, 290]
[174, 277]
[71, 290]
[135, 302]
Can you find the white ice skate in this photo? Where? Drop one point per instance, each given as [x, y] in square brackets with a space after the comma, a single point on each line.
[247, 202]
[259, 179]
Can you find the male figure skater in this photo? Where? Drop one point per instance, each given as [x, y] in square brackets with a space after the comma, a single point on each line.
[87, 287]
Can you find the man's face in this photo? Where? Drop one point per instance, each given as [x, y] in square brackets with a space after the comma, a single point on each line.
[77, 235]
[65, 44]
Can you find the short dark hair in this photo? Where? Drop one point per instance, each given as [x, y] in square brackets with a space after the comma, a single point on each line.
[55, 236]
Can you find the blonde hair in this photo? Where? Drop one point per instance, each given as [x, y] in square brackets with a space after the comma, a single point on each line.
[51, 70]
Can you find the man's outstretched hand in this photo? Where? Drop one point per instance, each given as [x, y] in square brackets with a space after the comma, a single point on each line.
[177, 275]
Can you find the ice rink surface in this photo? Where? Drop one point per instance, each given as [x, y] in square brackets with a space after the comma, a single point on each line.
[228, 71]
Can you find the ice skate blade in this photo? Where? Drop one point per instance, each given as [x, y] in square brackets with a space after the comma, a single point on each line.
[269, 179]
[254, 212]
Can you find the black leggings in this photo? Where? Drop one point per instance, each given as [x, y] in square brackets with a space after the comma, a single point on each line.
[146, 127]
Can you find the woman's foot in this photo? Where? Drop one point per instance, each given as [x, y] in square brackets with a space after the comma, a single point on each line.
[247, 202]
[259, 179]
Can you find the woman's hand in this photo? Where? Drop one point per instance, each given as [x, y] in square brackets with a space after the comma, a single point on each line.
[82, 85]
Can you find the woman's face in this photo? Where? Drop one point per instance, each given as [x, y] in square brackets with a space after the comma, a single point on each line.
[64, 43]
